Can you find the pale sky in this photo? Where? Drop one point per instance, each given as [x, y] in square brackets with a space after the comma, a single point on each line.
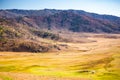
[111, 7]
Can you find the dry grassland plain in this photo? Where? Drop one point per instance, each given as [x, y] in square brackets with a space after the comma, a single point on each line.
[97, 60]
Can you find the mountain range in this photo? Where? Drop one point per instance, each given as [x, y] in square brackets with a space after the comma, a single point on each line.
[72, 20]
[27, 27]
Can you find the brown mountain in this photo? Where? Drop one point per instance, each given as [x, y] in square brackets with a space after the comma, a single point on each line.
[29, 30]
[73, 20]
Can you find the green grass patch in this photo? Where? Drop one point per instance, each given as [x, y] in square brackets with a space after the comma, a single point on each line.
[107, 76]
[3, 77]
[56, 73]
[7, 68]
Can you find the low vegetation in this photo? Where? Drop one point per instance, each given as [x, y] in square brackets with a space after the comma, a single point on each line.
[1, 33]
[46, 34]
[3, 77]
[99, 63]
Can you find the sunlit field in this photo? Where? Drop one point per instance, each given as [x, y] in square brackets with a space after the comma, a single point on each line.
[99, 60]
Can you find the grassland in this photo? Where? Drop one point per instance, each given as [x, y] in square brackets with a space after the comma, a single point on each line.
[98, 60]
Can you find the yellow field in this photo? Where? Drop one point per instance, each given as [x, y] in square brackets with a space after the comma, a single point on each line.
[98, 60]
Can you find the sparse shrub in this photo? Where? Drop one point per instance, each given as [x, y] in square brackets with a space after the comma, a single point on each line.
[30, 47]
[1, 33]
[45, 34]
[12, 33]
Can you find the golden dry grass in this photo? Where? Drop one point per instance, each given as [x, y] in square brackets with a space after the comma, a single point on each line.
[24, 76]
[82, 61]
